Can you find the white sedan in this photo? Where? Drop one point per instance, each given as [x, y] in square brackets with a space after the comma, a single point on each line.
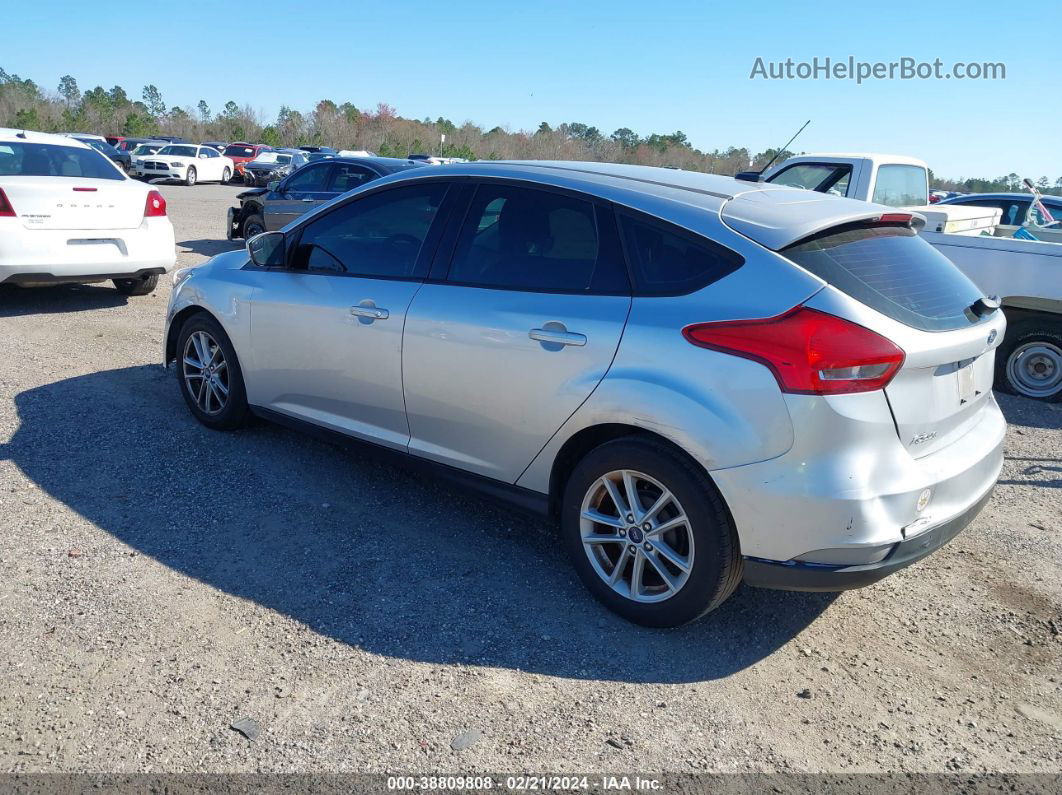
[67, 214]
[188, 163]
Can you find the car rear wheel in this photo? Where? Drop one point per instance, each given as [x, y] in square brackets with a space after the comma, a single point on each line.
[209, 374]
[226, 175]
[649, 534]
[254, 225]
[143, 285]
[1029, 362]
[191, 176]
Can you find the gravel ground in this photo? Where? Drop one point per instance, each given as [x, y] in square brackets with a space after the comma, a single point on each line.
[159, 582]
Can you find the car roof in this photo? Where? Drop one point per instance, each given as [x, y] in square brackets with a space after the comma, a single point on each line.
[773, 215]
[380, 162]
[20, 136]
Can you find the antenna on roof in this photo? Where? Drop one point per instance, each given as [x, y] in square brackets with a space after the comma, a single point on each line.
[21, 134]
[778, 152]
[754, 176]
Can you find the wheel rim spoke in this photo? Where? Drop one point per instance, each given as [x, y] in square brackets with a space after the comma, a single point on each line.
[600, 518]
[657, 506]
[671, 556]
[670, 524]
[661, 569]
[621, 564]
[630, 487]
[614, 495]
[637, 572]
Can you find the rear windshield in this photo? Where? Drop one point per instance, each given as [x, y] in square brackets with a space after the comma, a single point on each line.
[239, 151]
[51, 160]
[893, 270]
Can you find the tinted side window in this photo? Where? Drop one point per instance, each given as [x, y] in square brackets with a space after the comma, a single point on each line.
[308, 180]
[666, 260]
[379, 235]
[816, 176]
[348, 177]
[526, 239]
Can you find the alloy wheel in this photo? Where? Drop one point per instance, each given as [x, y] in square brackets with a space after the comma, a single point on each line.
[637, 536]
[1035, 369]
[206, 373]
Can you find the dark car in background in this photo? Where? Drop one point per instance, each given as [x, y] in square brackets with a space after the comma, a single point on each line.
[127, 145]
[322, 149]
[241, 153]
[272, 166]
[121, 159]
[265, 209]
[219, 145]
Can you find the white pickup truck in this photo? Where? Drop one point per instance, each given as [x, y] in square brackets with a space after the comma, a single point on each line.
[1025, 274]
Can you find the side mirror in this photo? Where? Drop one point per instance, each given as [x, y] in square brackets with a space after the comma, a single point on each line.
[268, 250]
[273, 185]
[749, 176]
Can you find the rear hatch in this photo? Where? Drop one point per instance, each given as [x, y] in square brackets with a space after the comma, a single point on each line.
[50, 203]
[948, 336]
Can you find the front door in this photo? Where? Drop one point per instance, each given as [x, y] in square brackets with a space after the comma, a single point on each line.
[326, 332]
[297, 195]
[499, 355]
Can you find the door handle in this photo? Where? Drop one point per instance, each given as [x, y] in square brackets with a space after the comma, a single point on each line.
[373, 312]
[557, 337]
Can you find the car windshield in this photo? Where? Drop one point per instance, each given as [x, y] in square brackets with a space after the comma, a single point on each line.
[147, 149]
[179, 151]
[238, 150]
[273, 158]
[18, 159]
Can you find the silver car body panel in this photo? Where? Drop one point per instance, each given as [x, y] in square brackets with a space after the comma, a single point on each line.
[798, 472]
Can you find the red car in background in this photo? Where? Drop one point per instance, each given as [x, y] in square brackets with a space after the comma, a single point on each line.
[241, 153]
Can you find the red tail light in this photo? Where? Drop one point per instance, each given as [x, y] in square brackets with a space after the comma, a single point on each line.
[6, 210]
[155, 206]
[809, 352]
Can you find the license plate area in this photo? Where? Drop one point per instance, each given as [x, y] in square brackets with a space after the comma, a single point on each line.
[966, 381]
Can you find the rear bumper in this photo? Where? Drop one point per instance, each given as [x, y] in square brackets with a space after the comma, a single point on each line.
[797, 576]
[30, 257]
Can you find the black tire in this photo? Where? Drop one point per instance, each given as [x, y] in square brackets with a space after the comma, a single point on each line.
[717, 564]
[253, 225]
[143, 285]
[235, 413]
[1021, 335]
[190, 176]
[248, 178]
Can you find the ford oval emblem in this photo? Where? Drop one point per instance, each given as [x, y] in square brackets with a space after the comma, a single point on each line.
[991, 336]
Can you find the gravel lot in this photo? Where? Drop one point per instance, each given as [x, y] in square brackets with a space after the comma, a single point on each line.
[159, 581]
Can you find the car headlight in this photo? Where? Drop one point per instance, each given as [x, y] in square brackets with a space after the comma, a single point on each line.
[176, 165]
[180, 275]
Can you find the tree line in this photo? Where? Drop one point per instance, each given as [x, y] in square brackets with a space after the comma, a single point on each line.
[25, 105]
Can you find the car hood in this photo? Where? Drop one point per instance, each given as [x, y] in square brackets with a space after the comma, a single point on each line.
[247, 194]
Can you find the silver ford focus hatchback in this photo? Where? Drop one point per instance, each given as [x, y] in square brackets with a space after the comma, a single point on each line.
[705, 381]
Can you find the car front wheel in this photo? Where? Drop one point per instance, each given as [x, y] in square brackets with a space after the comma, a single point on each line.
[649, 534]
[209, 374]
[226, 175]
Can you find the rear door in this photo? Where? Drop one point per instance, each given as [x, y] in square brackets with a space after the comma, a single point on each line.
[297, 195]
[930, 310]
[514, 332]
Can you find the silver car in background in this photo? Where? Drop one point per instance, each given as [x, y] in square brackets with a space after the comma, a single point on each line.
[704, 381]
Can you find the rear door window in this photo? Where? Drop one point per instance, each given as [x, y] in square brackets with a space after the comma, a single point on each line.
[893, 270]
[347, 176]
[518, 238]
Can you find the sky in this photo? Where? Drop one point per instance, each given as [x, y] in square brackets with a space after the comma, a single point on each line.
[650, 66]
